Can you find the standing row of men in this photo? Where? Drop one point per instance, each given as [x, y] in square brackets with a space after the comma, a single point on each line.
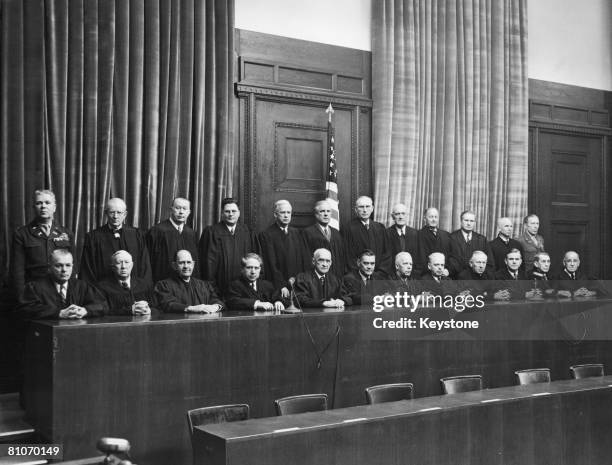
[285, 250]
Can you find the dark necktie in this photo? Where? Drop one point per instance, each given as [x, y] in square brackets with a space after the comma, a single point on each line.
[573, 276]
[323, 287]
[402, 239]
[327, 233]
[434, 231]
[63, 293]
[367, 226]
[252, 284]
[125, 285]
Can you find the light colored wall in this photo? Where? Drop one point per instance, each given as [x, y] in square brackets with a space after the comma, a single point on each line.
[570, 41]
[337, 22]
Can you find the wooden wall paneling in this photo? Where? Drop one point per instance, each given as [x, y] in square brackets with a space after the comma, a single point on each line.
[284, 88]
[569, 128]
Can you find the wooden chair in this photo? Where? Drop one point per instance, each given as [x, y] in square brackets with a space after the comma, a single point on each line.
[533, 376]
[466, 383]
[389, 392]
[215, 414]
[587, 370]
[300, 404]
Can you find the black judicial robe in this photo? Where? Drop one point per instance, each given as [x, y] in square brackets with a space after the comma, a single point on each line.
[499, 250]
[310, 292]
[163, 241]
[41, 300]
[284, 255]
[241, 296]
[562, 281]
[362, 292]
[410, 284]
[120, 300]
[221, 253]
[395, 245]
[31, 249]
[359, 238]
[315, 239]
[461, 252]
[430, 243]
[445, 286]
[101, 244]
[476, 283]
[174, 294]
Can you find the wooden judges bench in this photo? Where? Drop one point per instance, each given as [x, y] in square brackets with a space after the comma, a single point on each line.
[562, 423]
[136, 377]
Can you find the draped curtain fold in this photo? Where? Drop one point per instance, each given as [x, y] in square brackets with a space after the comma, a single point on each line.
[450, 123]
[114, 98]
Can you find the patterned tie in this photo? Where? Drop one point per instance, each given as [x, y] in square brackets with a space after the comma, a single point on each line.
[180, 228]
[367, 226]
[63, 292]
[327, 233]
[125, 285]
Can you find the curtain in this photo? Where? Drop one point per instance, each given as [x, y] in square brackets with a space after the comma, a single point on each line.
[450, 123]
[115, 98]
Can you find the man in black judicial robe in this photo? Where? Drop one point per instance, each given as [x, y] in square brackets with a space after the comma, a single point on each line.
[364, 283]
[400, 236]
[103, 242]
[126, 294]
[435, 281]
[403, 279]
[322, 236]
[477, 279]
[464, 242]
[184, 294]
[363, 233]
[512, 282]
[571, 281]
[432, 239]
[167, 237]
[223, 245]
[33, 243]
[251, 293]
[319, 287]
[283, 248]
[503, 243]
[58, 295]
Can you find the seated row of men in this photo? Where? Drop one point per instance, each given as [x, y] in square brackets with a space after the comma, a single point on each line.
[60, 296]
[286, 250]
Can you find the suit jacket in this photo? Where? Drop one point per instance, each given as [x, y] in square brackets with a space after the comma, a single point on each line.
[31, 249]
[174, 294]
[395, 244]
[241, 296]
[221, 252]
[284, 255]
[359, 238]
[446, 286]
[531, 247]
[310, 292]
[120, 300]
[101, 244]
[517, 287]
[315, 239]
[359, 292]
[163, 241]
[500, 249]
[430, 243]
[461, 252]
[40, 299]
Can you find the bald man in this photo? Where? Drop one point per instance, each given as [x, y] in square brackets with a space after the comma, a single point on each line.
[284, 250]
[59, 295]
[503, 243]
[172, 234]
[126, 294]
[103, 242]
[319, 287]
[363, 233]
[432, 239]
[400, 236]
[322, 236]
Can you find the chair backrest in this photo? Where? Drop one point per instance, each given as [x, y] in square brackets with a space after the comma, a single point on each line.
[300, 404]
[389, 392]
[588, 370]
[533, 376]
[216, 414]
[455, 384]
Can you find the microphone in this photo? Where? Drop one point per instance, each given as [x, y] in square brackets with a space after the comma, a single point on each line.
[291, 308]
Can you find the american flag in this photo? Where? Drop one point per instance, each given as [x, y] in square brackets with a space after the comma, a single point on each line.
[331, 183]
